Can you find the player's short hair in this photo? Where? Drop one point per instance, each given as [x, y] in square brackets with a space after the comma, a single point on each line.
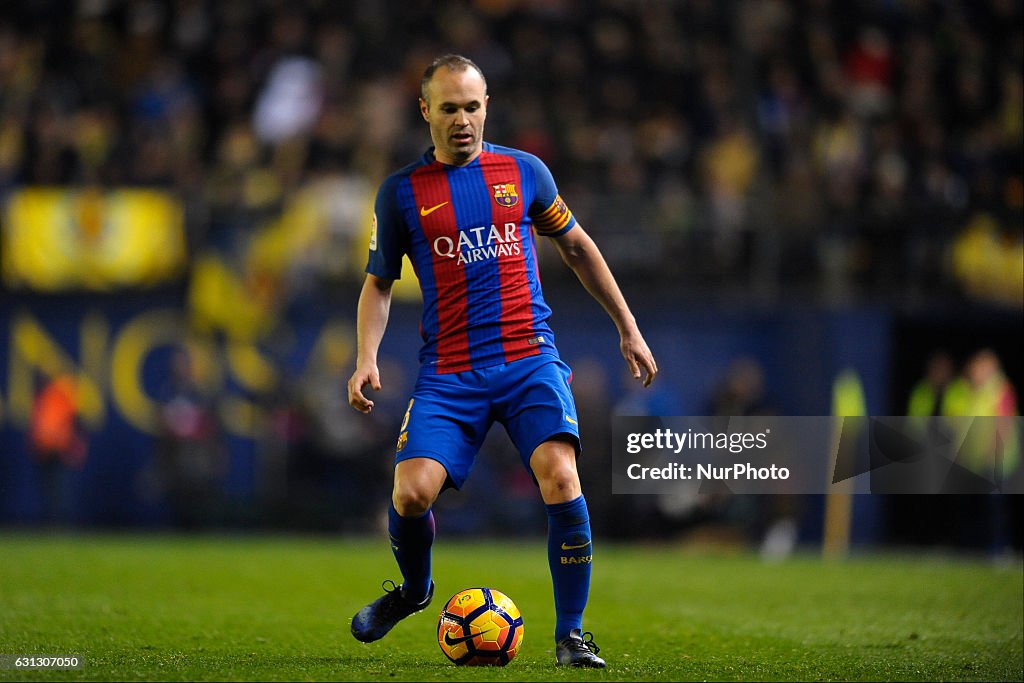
[452, 62]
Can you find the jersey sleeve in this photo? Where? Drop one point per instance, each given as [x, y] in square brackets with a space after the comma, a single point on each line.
[551, 217]
[388, 237]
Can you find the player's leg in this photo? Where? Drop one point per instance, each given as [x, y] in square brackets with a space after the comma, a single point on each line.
[418, 482]
[540, 416]
[438, 441]
[570, 549]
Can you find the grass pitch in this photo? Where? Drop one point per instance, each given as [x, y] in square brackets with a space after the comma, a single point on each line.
[278, 608]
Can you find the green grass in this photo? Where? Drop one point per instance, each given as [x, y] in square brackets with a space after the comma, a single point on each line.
[278, 608]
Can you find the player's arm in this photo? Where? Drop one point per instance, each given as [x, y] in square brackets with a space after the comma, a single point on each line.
[581, 254]
[371, 321]
[383, 267]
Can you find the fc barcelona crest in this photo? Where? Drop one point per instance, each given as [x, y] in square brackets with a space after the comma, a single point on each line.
[505, 194]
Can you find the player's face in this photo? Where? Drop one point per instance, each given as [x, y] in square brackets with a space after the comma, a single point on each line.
[456, 112]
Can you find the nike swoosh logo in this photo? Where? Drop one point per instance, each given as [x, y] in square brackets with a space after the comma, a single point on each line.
[570, 420]
[574, 547]
[451, 642]
[424, 211]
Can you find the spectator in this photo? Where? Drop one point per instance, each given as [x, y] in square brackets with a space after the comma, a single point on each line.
[58, 442]
[940, 391]
[190, 454]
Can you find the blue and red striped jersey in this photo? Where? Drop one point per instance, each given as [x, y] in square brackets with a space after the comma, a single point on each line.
[468, 231]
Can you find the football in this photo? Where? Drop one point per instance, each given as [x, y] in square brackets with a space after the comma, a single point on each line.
[480, 627]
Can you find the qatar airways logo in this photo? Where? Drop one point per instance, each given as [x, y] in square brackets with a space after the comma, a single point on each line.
[480, 244]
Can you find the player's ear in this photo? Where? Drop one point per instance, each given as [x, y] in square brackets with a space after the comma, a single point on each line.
[424, 109]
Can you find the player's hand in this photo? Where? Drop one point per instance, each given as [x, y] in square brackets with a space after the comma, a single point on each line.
[360, 378]
[639, 358]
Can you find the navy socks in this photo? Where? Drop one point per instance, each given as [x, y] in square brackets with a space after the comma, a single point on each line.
[411, 539]
[569, 553]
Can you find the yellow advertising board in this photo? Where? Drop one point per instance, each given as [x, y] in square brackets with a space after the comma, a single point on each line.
[60, 239]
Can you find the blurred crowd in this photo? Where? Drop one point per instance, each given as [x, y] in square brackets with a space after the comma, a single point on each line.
[873, 145]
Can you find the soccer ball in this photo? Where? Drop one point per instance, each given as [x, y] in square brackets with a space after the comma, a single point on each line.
[480, 627]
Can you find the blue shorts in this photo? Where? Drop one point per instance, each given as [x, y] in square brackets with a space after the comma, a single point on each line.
[449, 415]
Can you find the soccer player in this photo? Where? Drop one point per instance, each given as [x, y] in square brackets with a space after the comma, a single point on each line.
[466, 213]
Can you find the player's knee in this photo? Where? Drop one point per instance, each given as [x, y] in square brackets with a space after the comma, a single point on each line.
[560, 484]
[411, 502]
[554, 466]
